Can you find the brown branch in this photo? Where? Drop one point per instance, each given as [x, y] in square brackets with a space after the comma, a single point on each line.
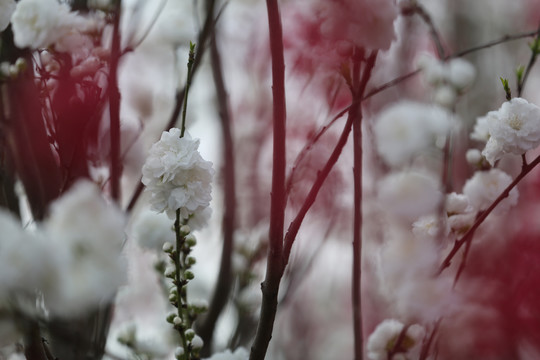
[274, 268]
[502, 40]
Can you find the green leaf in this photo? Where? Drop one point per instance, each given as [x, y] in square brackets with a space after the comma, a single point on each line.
[506, 88]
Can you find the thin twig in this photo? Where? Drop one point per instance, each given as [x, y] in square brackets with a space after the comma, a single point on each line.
[148, 28]
[114, 106]
[309, 145]
[426, 345]
[532, 60]
[463, 262]
[294, 226]
[420, 11]
[224, 281]
[502, 40]
[399, 341]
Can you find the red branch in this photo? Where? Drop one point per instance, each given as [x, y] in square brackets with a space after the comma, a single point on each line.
[114, 107]
[274, 267]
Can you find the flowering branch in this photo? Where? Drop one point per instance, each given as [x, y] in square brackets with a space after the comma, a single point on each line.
[462, 53]
[484, 214]
[179, 97]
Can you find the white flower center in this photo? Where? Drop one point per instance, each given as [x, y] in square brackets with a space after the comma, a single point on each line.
[515, 123]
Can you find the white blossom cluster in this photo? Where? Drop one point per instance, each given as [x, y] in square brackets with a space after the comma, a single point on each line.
[42, 23]
[178, 178]
[513, 129]
[448, 78]
[72, 259]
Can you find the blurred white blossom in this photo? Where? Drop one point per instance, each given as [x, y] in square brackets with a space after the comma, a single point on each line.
[457, 72]
[404, 129]
[409, 194]
[238, 354]
[28, 263]
[480, 131]
[485, 186]
[177, 176]
[513, 129]
[7, 7]
[88, 234]
[40, 23]
[152, 230]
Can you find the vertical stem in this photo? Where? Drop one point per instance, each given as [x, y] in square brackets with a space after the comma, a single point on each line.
[274, 268]
[178, 281]
[114, 106]
[224, 280]
[33, 347]
[356, 115]
[188, 83]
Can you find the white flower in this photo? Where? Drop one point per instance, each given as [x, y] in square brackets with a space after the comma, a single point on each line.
[457, 203]
[458, 73]
[426, 227]
[409, 194]
[7, 7]
[177, 176]
[461, 215]
[513, 129]
[27, 260]
[239, 354]
[473, 156]
[485, 186]
[461, 73]
[153, 230]
[445, 95]
[481, 130]
[407, 128]
[197, 342]
[40, 23]
[88, 234]
[384, 337]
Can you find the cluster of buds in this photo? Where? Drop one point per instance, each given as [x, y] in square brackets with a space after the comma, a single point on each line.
[179, 272]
